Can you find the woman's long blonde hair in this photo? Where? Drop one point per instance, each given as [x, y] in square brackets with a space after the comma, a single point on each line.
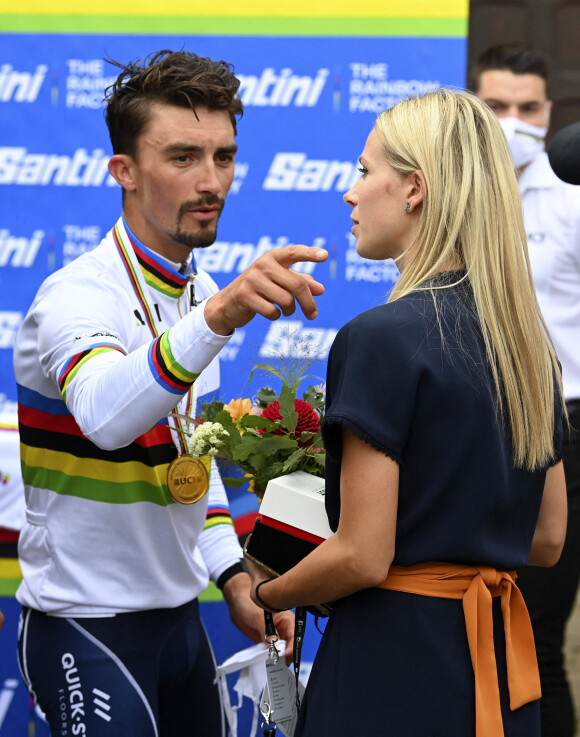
[472, 219]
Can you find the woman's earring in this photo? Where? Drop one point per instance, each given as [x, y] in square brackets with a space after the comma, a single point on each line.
[407, 207]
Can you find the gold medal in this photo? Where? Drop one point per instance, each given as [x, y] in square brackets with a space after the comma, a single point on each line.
[187, 479]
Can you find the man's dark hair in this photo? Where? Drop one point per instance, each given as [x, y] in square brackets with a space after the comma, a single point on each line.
[511, 58]
[172, 78]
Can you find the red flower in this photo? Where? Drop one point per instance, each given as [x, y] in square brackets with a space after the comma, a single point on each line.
[308, 420]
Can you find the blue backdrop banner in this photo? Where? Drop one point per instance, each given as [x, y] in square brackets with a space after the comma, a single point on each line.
[310, 102]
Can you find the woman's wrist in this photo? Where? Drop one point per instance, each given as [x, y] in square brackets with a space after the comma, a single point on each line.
[261, 601]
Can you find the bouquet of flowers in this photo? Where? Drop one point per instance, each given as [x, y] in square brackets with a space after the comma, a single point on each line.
[272, 436]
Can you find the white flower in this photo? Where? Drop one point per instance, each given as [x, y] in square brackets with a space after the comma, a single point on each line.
[207, 439]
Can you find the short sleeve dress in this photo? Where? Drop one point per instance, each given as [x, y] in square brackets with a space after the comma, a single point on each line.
[411, 378]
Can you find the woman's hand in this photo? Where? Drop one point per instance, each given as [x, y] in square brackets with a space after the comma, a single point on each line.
[283, 621]
[257, 575]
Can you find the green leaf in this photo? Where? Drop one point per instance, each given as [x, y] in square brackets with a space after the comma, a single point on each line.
[225, 420]
[270, 369]
[314, 398]
[248, 444]
[257, 462]
[210, 410]
[317, 440]
[291, 462]
[287, 409]
[271, 471]
[313, 469]
[306, 436]
[266, 396]
[262, 423]
[234, 482]
[270, 445]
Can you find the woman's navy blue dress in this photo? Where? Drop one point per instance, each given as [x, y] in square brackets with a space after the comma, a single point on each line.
[411, 378]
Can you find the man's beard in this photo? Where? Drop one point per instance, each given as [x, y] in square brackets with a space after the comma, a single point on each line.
[202, 239]
[208, 233]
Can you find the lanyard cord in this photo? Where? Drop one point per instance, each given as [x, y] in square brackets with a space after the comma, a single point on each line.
[299, 630]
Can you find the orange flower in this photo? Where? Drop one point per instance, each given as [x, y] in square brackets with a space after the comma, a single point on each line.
[238, 408]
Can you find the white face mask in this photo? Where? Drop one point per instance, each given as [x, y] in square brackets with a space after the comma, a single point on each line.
[525, 141]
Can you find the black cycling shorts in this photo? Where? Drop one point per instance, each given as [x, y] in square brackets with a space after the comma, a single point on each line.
[142, 674]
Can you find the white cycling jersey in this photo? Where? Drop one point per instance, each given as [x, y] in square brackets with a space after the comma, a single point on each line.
[104, 354]
[552, 218]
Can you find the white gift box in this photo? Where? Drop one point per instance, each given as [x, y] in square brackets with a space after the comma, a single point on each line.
[297, 501]
[291, 523]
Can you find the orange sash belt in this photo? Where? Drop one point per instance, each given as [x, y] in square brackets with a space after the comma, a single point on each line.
[476, 586]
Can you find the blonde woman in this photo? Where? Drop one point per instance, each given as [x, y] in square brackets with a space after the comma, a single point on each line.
[443, 431]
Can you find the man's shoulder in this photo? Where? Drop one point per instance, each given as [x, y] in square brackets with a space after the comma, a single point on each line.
[540, 175]
[89, 268]
[93, 278]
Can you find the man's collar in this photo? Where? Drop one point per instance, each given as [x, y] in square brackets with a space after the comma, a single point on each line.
[539, 175]
[158, 271]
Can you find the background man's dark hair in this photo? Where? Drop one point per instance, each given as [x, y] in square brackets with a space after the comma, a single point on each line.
[169, 77]
[511, 58]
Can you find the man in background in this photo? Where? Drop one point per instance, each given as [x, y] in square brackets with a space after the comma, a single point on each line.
[123, 529]
[513, 81]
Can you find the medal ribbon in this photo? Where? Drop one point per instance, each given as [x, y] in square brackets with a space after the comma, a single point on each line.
[136, 279]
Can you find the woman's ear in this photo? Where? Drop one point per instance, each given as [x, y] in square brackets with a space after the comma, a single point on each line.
[417, 189]
[121, 167]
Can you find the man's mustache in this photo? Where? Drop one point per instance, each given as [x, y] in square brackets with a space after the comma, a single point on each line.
[207, 201]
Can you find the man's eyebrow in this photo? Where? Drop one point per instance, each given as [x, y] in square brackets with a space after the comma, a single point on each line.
[181, 148]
